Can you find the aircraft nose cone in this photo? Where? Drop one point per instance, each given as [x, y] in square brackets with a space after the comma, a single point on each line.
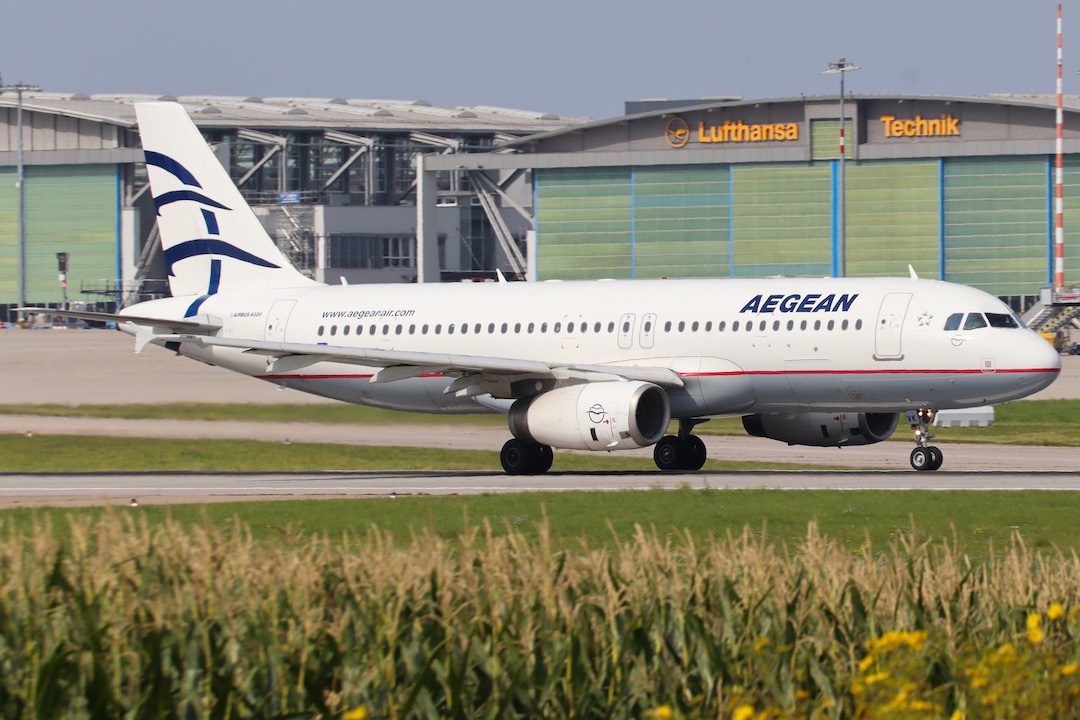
[1040, 360]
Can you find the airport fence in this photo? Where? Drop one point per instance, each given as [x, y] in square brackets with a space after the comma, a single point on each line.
[126, 619]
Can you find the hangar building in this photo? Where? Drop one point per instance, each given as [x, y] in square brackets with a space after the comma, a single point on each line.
[333, 180]
[960, 188]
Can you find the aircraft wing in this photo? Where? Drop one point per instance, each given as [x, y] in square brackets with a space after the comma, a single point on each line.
[472, 371]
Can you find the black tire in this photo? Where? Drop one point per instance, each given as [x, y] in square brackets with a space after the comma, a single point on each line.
[922, 459]
[518, 457]
[694, 453]
[936, 457]
[668, 453]
[544, 457]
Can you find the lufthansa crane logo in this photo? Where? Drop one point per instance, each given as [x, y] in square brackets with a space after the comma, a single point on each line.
[677, 132]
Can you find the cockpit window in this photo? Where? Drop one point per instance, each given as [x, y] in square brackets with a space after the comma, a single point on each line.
[1002, 320]
[974, 321]
[953, 321]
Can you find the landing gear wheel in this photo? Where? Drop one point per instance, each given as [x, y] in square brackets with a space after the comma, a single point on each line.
[544, 458]
[668, 453]
[926, 458]
[521, 457]
[694, 453]
[936, 457]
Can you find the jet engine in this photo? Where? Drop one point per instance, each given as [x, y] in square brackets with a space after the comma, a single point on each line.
[823, 429]
[606, 415]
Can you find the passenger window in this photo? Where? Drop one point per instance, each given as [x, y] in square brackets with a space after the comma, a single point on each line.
[802, 325]
[843, 325]
[858, 324]
[371, 330]
[424, 329]
[359, 329]
[570, 328]
[953, 321]
[735, 326]
[682, 325]
[517, 328]
[476, 328]
[450, 329]
[596, 327]
[397, 330]
[491, 328]
[556, 328]
[776, 325]
[412, 329]
[584, 327]
[345, 329]
[832, 324]
[543, 327]
[721, 325]
[321, 330]
[790, 325]
[532, 326]
[648, 326]
[708, 326]
[667, 326]
[611, 326]
[333, 329]
[817, 324]
[974, 321]
[438, 329]
[504, 328]
[694, 327]
[626, 326]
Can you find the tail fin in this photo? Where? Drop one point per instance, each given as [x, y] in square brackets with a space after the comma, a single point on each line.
[212, 240]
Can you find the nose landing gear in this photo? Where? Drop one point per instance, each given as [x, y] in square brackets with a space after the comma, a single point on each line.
[924, 457]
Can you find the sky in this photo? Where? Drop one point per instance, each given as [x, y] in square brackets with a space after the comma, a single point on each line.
[569, 57]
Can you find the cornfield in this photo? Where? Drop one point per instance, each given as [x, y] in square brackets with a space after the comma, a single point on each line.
[126, 619]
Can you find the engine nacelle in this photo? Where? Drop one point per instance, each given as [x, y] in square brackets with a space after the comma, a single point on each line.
[594, 416]
[823, 429]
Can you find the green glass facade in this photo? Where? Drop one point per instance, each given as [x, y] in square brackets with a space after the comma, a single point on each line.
[985, 222]
[69, 208]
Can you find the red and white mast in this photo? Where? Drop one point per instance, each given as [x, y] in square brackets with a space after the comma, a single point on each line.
[1059, 181]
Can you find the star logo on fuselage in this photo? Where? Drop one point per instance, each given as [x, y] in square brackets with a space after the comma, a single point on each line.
[925, 318]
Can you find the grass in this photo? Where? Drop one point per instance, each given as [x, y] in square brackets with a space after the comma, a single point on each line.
[85, 453]
[974, 521]
[1028, 422]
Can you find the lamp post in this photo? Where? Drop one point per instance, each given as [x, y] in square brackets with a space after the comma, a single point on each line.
[840, 67]
[19, 87]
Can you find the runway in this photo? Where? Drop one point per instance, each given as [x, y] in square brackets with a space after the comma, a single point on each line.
[98, 367]
[78, 489]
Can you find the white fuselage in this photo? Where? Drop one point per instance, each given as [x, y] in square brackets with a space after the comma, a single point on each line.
[739, 346]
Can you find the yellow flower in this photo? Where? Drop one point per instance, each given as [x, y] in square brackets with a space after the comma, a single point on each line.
[1033, 621]
[1069, 669]
[1055, 611]
[664, 712]
[877, 677]
[743, 712]
[359, 713]
[958, 715]
[1035, 635]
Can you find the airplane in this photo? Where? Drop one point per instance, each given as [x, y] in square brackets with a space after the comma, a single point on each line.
[600, 365]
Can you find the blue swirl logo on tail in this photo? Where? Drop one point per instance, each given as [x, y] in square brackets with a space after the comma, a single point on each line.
[198, 246]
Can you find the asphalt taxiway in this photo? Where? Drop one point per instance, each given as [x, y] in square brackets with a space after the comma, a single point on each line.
[98, 366]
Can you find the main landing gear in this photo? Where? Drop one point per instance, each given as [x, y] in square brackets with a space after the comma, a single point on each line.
[524, 457]
[925, 456]
[681, 452]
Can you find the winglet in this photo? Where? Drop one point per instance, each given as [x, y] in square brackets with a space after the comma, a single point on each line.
[498, 273]
[912, 271]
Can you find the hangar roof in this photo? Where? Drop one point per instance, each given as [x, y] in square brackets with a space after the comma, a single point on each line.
[298, 113]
